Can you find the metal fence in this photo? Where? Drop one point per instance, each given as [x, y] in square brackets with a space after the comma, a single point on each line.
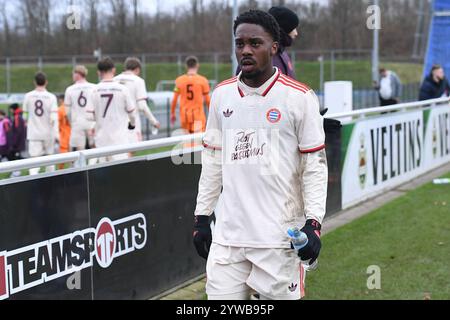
[315, 66]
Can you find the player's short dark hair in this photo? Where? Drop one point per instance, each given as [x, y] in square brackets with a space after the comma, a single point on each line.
[261, 18]
[61, 96]
[40, 78]
[132, 63]
[191, 62]
[106, 64]
[14, 106]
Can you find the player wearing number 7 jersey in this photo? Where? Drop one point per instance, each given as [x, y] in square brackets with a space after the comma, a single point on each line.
[111, 107]
[75, 102]
[41, 109]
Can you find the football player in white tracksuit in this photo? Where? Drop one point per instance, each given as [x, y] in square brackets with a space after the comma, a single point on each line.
[138, 91]
[41, 109]
[112, 109]
[265, 146]
[76, 98]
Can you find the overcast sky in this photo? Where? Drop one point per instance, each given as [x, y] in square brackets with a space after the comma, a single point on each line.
[168, 6]
[59, 7]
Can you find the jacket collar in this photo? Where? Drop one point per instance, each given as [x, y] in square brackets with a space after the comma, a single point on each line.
[263, 90]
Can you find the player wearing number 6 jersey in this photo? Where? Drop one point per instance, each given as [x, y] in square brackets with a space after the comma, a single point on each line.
[111, 107]
[41, 109]
[75, 102]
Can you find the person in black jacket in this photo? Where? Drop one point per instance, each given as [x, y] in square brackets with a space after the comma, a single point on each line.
[18, 133]
[435, 85]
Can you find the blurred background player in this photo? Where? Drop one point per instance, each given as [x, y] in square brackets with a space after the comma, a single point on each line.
[76, 99]
[5, 129]
[193, 90]
[112, 109]
[435, 85]
[64, 126]
[138, 91]
[41, 110]
[389, 87]
[17, 136]
[288, 22]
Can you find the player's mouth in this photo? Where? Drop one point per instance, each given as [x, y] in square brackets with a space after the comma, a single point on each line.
[247, 64]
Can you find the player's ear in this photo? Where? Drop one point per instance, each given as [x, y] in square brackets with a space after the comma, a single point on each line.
[274, 48]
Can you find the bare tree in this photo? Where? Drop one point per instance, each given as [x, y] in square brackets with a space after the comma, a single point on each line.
[118, 24]
[37, 21]
[6, 30]
[121, 26]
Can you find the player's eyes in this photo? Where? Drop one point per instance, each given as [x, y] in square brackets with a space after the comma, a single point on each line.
[239, 44]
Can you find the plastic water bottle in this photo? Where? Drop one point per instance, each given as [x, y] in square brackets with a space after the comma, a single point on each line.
[299, 240]
[154, 130]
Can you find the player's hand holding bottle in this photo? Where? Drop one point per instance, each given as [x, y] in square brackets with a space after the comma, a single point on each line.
[309, 248]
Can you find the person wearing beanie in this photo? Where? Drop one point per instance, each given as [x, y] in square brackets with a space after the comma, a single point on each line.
[18, 132]
[288, 22]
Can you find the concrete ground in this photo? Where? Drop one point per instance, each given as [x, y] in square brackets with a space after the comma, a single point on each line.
[195, 289]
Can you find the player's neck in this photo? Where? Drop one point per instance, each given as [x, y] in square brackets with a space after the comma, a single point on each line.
[108, 77]
[260, 80]
[192, 72]
[81, 81]
[40, 88]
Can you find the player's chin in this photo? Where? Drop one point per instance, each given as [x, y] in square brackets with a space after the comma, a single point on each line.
[249, 72]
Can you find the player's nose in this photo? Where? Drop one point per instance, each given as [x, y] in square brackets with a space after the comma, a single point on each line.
[247, 50]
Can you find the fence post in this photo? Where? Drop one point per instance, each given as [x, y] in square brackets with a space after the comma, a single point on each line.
[216, 67]
[147, 129]
[40, 63]
[332, 64]
[320, 59]
[74, 61]
[168, 116]
[8, 75]
[81, 162]
[179, 64]
[144, 67]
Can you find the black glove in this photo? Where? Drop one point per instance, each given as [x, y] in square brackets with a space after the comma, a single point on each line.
[202, 235]
[322, 113]
[312, 249]
[130, 127]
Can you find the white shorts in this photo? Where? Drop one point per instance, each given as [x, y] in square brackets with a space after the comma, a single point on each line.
[274, 273]
[79, 135]
[38, 148]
